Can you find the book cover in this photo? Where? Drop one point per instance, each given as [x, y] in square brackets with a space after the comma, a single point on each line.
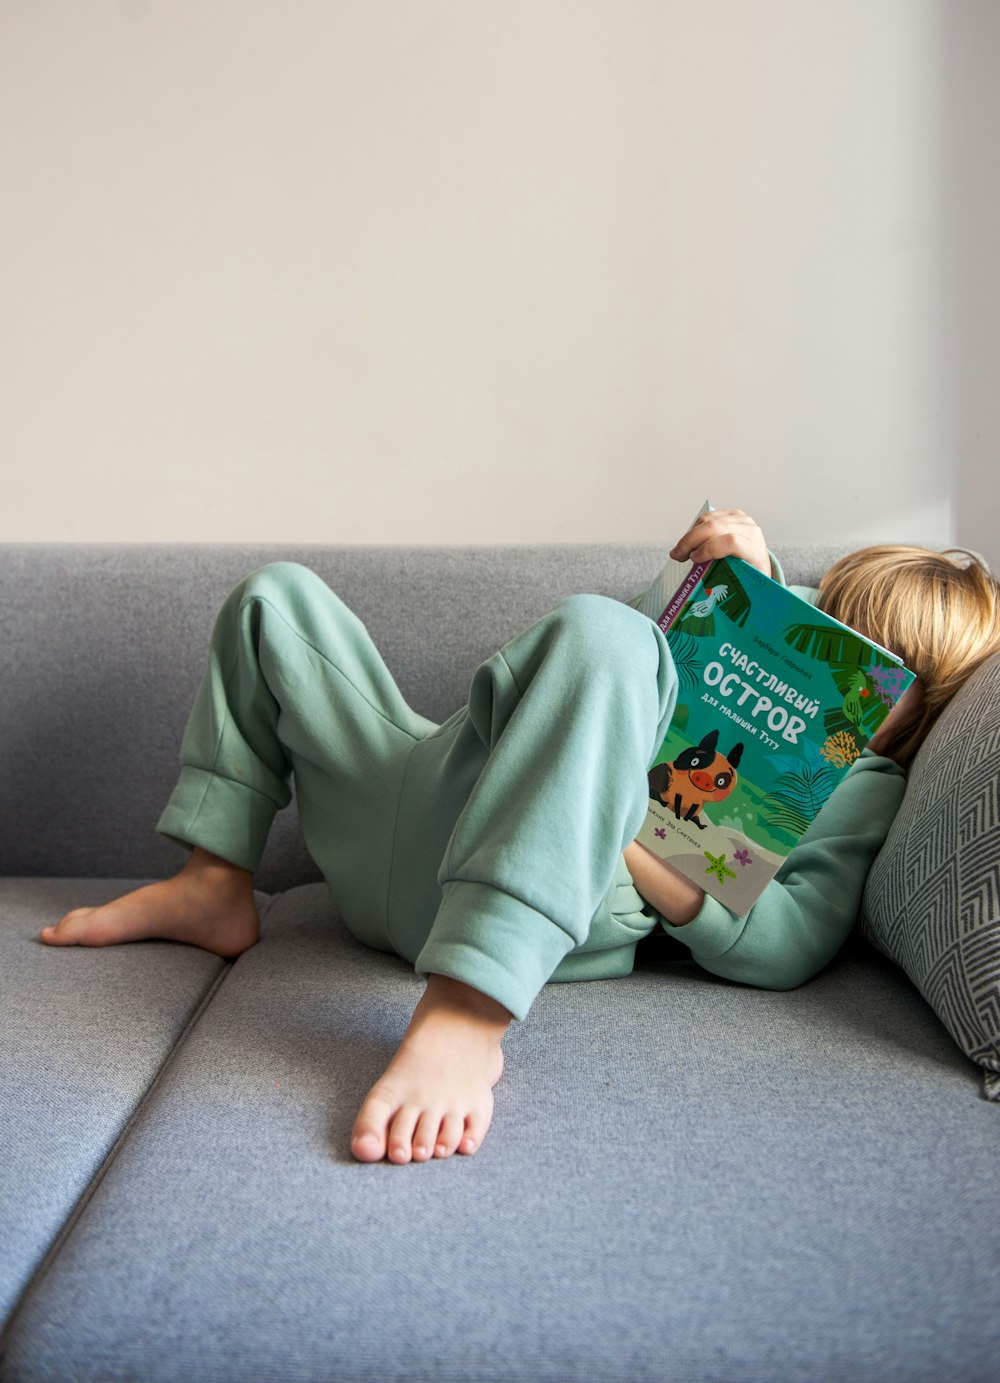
[776, 702]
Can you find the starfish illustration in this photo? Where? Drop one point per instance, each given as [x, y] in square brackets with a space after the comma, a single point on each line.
[742, 857]
[660, 833]
[717, 866]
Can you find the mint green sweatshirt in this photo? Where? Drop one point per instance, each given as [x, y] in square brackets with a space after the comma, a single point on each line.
[806, 913]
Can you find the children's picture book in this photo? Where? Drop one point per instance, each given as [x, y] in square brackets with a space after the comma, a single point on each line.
[776, 702]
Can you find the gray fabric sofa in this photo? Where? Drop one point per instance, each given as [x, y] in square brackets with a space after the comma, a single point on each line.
[686, 1179]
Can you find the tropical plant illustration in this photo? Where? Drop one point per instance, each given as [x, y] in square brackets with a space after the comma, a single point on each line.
[840, 749]
[797, 796]
[889, 683]
[835, 646]
[688, 663]
[856, 668]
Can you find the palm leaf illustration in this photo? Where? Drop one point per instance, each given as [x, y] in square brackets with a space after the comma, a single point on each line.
[737, 602]
[686, 660]
[831, 645]
[797, 797]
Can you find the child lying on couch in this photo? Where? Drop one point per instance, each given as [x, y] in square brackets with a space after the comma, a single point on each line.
[447, 844]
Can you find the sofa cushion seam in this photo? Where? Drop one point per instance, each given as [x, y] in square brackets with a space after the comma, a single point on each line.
[110, 1157]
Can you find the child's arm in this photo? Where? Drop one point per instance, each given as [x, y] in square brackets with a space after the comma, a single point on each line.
[806, 913]
[675, 898]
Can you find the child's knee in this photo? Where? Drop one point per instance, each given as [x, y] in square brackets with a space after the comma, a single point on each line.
[622, 650]
[600, 628]
[283, 585]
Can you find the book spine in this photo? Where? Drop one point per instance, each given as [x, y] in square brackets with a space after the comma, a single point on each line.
[686, 587]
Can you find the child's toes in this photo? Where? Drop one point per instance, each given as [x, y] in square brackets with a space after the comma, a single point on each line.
[367, 1146]
[476, 1126]
[368, 1137]
[63, 932]
[452, 1128]
[426, 1136]
[400, 1140]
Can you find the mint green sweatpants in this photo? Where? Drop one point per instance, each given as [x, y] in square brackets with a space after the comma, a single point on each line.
[489, 848]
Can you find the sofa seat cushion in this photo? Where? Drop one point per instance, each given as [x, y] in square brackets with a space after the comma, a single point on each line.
[84, 1034]
[685, 1179]
[932, 901]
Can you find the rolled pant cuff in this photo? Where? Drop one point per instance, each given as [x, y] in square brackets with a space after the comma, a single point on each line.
[492, 941]
[224, 817]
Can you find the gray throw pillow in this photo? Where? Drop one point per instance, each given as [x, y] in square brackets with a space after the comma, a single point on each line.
[932, 902]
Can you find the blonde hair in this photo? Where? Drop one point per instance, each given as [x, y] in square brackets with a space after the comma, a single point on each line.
[938, 611]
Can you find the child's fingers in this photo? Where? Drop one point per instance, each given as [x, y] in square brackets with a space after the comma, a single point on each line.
[715, 525]
[723, 533]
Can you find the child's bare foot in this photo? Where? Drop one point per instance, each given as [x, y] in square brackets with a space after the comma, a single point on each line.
[436, 1096]
[208, 904]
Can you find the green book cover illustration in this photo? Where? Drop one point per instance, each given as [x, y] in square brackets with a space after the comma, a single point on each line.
[776, 702]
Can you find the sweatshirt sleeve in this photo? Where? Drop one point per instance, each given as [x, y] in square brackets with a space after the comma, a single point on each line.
[806, 913]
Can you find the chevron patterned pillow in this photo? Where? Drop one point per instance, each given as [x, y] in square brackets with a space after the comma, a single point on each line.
[932, 902]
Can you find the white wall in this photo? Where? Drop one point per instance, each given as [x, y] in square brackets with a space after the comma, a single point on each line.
[455, 270]
[972, 196]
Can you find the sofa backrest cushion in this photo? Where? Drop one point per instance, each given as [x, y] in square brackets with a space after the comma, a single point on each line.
[102, 649]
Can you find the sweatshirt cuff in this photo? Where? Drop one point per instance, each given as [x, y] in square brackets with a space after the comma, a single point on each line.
[711, 932]
[224, 817]
[493, 942]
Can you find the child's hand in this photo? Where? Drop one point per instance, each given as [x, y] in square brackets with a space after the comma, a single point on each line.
[723, 533]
